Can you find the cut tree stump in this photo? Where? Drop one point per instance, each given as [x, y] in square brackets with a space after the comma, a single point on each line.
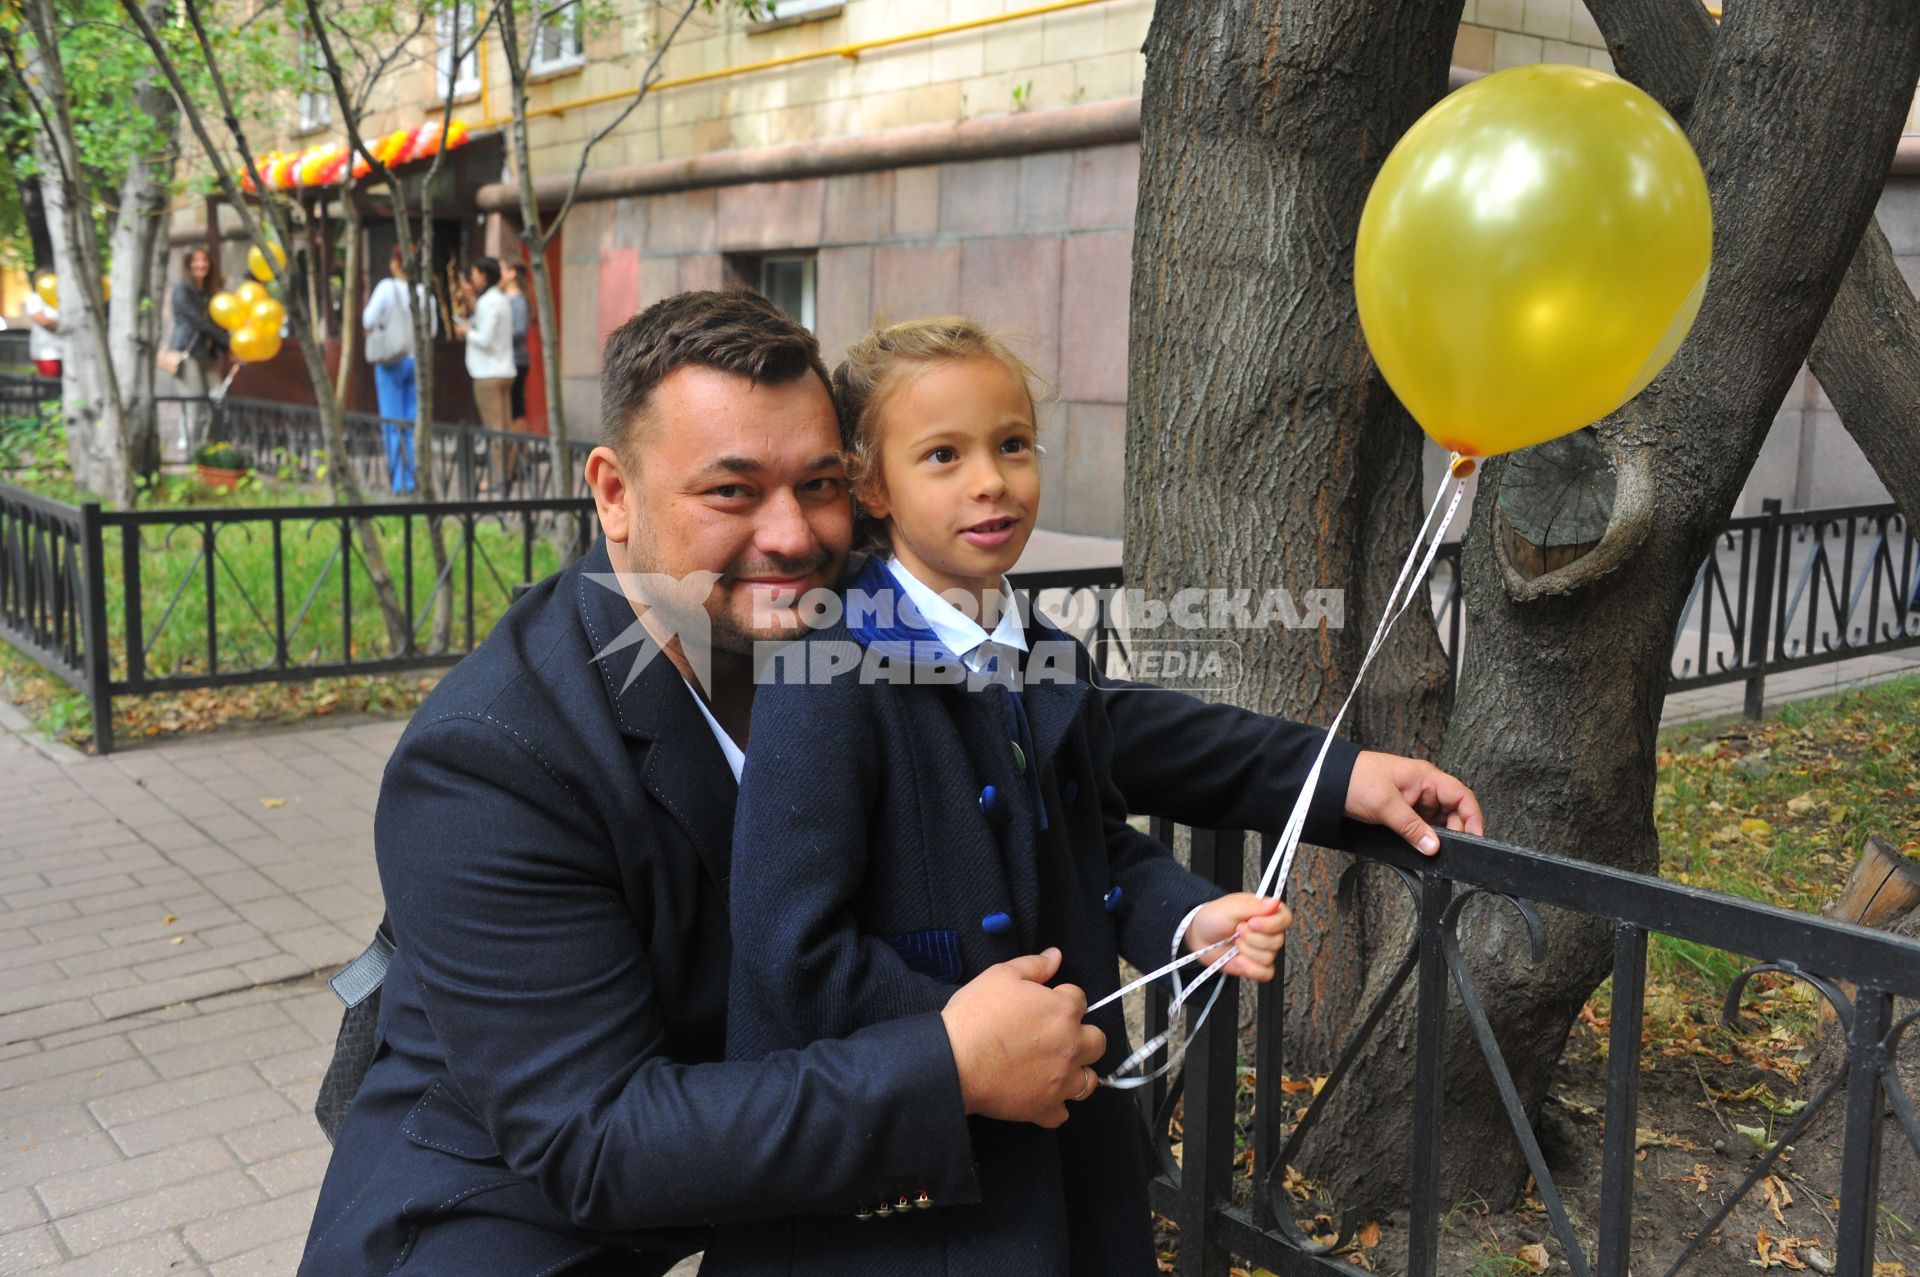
[1883, 888]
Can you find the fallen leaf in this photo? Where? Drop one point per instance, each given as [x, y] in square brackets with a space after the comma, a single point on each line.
[1699, 1177]
[172, 917]
[1367, 1238]
[1777, 1196]
[1801, 805]
[273, 802]
[1754, 827]
[178, 940]
[1534, 1257]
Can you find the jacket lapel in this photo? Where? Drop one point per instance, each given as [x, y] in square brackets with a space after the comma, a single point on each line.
[684, 769]
[1055, 685]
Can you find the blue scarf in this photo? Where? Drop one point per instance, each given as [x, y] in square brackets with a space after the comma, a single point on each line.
[909, 638]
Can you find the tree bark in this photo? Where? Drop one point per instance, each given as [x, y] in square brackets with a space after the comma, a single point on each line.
[1560, 695]
[1867, 354]
[1263, 451]
[91, 404]
[139, 259]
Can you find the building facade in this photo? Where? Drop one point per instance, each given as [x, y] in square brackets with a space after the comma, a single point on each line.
[872, 160]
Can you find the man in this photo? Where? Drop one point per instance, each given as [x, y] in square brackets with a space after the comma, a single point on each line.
[488, 333]
[553, 838]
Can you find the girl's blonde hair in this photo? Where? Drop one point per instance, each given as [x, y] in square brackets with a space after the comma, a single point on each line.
[874, 368]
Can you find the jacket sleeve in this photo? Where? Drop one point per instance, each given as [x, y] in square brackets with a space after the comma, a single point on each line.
[191, 309]
[802, 971]
[376, 307]
[1156, 892]
[532, 969]
[1218, 766]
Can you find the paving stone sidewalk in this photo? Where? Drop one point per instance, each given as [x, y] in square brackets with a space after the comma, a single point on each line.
[163, 915]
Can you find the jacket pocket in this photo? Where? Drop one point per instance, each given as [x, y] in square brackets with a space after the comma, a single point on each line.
[441, 1122]
[935, 954]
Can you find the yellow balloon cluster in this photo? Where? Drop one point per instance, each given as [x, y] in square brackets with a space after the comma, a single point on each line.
[1531, 255]
[47, 287]
[249, 292]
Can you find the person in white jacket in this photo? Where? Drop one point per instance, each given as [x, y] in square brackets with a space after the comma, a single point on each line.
[488, 333]
[387, 321]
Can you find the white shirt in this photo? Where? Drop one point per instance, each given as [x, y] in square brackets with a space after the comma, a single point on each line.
[959, 633]
[490, 338]
[42, 343]
[393, 292]
[735, 756]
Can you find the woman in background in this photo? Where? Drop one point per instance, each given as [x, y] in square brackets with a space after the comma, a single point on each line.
[199, 340]
[515, 287]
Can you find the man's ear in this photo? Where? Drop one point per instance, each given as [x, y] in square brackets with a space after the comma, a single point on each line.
[613, 493]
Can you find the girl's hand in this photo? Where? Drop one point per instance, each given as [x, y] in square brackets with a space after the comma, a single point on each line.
[1258, 925]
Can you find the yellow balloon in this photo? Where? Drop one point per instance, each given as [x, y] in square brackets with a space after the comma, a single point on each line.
[267, 313]
[257, 262]
[48, 287]
[225, 310]
[1531, 255]
[106, 289]
[250, 344]
[249, 292]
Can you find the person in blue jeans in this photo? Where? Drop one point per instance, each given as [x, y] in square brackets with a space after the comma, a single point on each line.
[388, 323]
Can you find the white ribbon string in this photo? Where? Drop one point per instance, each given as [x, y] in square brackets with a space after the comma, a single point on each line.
[1409, 585]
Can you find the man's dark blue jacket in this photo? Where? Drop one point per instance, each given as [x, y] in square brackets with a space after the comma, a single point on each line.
[549, 1093]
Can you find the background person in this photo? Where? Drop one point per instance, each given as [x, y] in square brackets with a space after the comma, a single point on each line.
[515, 287]
[488, 332]
[199, 340]
[388, 322]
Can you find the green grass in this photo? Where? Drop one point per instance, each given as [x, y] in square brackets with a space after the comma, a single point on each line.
[1776, 810]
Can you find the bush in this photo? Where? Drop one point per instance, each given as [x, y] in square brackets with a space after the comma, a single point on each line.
[221, 456]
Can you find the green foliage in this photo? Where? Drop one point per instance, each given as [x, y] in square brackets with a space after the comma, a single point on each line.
[216, 455]
[31, 447]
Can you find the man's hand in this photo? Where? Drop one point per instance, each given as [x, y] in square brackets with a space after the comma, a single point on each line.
[1019, 1046]
[1405, 794]
[1257, 923]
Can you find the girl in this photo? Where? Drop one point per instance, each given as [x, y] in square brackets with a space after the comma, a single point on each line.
[927, 793]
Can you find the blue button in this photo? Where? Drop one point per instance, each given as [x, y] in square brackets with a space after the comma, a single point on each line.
[996, 924]
[989, 799]
[1113, 899]
[1068, 793]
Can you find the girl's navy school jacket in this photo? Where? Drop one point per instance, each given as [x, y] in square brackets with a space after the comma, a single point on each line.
[887, 848]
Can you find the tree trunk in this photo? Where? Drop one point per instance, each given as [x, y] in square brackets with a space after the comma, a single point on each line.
[1263, 452]
[139, 259]
[91, 403]
[1565, 675]
[535, 236]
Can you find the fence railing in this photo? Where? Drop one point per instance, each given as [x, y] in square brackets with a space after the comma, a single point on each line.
[468, 463]
[131, 602]
[1227, 1218]
[1782, 591]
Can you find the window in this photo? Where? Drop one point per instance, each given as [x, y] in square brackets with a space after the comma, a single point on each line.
[556, 40]
[786, 13]
[316, 103]
[454, 29]
[787, 282]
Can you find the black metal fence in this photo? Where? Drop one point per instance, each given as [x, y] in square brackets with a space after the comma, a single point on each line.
[1782, 591]
[130, 602]
[1858, 972]
[468, 463]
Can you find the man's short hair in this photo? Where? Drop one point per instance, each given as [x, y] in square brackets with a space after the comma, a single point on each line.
[735, 331]
[490, 267]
